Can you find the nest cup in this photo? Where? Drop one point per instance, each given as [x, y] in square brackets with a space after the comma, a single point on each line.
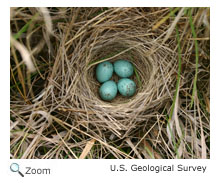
[123, 114]
[121, 49]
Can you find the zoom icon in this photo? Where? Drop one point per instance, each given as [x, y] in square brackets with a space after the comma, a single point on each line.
[15, 168]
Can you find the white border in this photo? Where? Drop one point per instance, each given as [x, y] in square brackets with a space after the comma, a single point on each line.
[110, 3]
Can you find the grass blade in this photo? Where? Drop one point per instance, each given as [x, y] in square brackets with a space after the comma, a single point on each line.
[164, 19]
[25, 27]
[176, 96]
[87, 149]
[196, 52]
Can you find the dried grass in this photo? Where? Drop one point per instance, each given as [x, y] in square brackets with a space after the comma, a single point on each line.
[63, 116]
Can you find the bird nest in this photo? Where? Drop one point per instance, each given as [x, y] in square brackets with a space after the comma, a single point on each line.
[154, 66]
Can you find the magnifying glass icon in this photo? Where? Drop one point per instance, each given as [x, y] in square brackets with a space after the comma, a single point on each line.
[15, 168]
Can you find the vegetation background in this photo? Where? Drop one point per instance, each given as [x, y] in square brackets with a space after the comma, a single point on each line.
[55, 108]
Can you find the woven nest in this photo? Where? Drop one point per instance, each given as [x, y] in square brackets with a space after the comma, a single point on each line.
[154, 67]
[59, 106]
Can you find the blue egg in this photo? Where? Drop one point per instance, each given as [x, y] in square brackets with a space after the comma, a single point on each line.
[108, 90]
[126, 87]
[104, 71]
[123, 68]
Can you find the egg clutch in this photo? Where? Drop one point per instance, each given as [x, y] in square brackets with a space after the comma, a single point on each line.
[109, 88]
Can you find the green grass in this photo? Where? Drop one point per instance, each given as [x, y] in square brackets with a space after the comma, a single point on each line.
[196, 52]
[177, 90]
[178, 74]
[25, 27]
[149, 152]
[137, 76]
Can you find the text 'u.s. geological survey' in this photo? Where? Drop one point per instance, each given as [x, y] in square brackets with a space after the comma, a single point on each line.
[158, 168]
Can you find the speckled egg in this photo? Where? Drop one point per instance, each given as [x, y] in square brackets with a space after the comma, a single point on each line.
[108, 90]
[126, 87]
[104, 71]
[123, 68]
